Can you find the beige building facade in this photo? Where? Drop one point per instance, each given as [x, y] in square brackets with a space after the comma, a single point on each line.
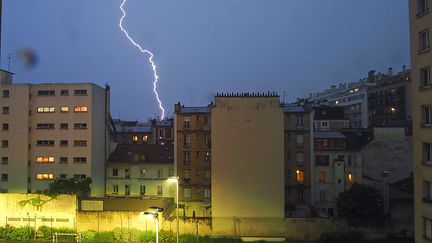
[421, 61]
[53, 131]
[247, 156]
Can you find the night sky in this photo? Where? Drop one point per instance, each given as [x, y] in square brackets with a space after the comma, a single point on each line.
[203, 46]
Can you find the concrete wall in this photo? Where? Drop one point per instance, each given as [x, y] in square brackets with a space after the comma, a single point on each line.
[56, 212]
[248, 157]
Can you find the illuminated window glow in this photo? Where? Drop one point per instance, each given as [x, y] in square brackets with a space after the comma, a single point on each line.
[80, 109]
[44, 176]
[64, 109]
[46, 109]
[134, 138]
[45, 159]
[299, 176]
[350, 177]
[145, 138]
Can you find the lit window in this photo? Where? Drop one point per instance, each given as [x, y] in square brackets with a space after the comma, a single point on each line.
[46, 109]
[80, 109]
[350, 177]
[322, 176]
[299, 176]
[145, 138]
[45, 159]
[206, 157]
[423, 40]
[134, 138]
[44, 176]
[64, 109]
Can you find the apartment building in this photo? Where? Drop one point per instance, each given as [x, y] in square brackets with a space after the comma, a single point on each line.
[140, 170]
[163, 131]
[298, 146]
[421, 61]
[53, 131]
[389, 101]
[132, 132]
[193, 158]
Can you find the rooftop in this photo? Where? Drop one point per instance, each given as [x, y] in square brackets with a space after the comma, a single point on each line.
[142, 153]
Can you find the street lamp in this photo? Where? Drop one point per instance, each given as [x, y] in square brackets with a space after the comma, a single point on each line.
[154, 211]
[176, 180]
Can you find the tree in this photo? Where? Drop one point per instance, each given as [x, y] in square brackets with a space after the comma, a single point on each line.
[361, 205]
[72, 186]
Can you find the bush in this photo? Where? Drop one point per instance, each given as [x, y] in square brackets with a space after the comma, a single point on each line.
[44, 233]
[147, 236]
[89, 235]
[6, 231]
[105, 236]
[22, 233]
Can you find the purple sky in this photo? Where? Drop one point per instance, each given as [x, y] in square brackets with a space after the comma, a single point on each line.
[204, 46]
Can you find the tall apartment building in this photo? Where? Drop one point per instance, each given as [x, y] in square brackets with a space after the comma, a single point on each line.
[140, 170]
[193, 159]
[421, 61]
[298, 146]
[389, 101]
[53, 131]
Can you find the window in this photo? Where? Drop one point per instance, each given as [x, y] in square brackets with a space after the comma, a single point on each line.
[5, 110]
[159, 173]
[64, 92]
[134, 138]
[45, 126]
[186, 139]
[115, 189]
[44, 176]
[186, 193]
[46, 109]
[5, 126]
[80, 125]
[80, 109]
[5, 143]
[46, 93]
[127, 189]
[423, 40]
[207, 174]
[4, 177]
[64, 109]
[80, 160]
[350, 177]
[114, 172]
[352, 160]
[427, 191]
[299, 159]
[300, 121]
[63, 176]
[322, 176]
[5, 93]
[186, 174]
[322, 196]
[143, 172]
[161, 133]
[5, 160]
[63, 160]
[207, 157]
[427, 228]
[45, 143]
[300, 141]
[142, 190]
[80, 176]
[64, 126]
[323, 160]
[45, 159]
[186, 122]
[145, 138]
[207, 193]
[422, 7]
[299, 176]
[80, 143]
[159, 190]
[79, 92]
[206, 120]
[427, 153]
[186, 155]
[425, 80]
[300, 195]
[427, 115]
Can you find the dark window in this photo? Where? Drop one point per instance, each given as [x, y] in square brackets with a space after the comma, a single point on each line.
[5, 126]
[5, 143]
[64, 92]
[423, 40]
[63, 160]
[115, 172]
[422, 7]
[46, 93]
[5, 160]
[425, 80]
[80, 92]
[5, 93]
[64, 126]
[4, 177]
[80, 125]
[63, 176]
[5, 110]
[64, 143]
[80, 160]
[45, 142]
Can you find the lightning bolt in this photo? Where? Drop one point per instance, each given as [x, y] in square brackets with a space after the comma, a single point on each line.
[150, 59]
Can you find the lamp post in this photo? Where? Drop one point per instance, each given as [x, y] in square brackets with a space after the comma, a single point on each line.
[154, 211]
[176, 180]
